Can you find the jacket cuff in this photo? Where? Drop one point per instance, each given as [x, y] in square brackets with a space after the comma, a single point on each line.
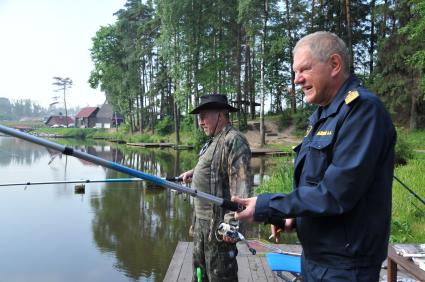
[262, 209]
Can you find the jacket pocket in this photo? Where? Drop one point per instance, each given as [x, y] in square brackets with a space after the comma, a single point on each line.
[318, 158]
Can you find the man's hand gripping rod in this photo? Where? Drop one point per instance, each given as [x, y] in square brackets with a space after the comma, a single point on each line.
[226, 204]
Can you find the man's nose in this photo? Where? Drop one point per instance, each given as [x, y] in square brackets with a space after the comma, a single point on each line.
[298, 78]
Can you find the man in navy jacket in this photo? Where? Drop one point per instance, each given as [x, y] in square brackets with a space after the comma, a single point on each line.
[343, 170]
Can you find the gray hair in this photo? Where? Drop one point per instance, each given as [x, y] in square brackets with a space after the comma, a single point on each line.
[323, 44]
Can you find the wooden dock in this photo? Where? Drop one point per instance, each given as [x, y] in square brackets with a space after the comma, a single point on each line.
[161, 145]
[268, 152]
[152, 145]
[251, 268]
[255, 268]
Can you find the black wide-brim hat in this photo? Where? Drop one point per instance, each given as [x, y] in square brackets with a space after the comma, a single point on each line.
[213, 101]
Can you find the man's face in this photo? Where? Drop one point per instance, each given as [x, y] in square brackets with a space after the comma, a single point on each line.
[208, 121]
[313, 76]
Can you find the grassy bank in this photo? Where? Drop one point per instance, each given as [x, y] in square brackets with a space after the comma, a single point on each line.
[188, 138]
[408, 217]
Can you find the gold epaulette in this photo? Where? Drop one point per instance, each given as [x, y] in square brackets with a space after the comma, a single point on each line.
[351, 96]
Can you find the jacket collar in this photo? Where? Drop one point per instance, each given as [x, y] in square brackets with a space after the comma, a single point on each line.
[323, 112]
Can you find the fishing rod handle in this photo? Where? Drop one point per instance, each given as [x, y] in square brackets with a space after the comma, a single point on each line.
[232, 206]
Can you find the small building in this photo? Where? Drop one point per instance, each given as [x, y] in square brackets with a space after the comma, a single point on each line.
[106, 117]
[86, 117]
[59, 121]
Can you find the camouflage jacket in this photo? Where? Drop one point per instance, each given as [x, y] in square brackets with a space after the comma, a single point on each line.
[223, 170]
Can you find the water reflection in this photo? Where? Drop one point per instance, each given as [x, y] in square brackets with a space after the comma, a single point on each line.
[19, 152]
[142, 226]
[124, 230]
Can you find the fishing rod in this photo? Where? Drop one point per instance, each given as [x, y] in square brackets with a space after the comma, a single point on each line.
[113, 180]
[410, 190]
[224, 203]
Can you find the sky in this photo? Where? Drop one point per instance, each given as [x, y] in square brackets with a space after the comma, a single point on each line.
[46, 38]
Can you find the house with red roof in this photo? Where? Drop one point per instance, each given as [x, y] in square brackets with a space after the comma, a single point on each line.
[86, 117]
[59, 121]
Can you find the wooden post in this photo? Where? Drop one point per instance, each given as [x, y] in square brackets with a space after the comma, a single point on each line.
[392, 270]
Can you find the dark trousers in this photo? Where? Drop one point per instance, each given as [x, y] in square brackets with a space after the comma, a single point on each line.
[312, 272]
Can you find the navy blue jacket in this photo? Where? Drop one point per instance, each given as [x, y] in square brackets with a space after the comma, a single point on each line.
[343, 174]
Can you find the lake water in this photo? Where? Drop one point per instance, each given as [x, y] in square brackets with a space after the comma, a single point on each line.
[113, 232]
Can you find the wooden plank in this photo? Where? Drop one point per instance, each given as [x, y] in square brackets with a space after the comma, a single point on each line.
[267, 271]
[176, 262]
[186, 272]
[244, 273]
[257, 271]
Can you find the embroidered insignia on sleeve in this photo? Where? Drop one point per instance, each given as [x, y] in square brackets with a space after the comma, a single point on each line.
[351, 96]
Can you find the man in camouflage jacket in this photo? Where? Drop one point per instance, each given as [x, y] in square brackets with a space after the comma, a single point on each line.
[223, 170]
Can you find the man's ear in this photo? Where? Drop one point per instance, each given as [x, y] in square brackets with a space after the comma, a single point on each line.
[336, 64]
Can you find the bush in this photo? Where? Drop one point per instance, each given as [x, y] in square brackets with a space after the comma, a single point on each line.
[200, 138]
[187, 123]
[165, 126]
[300, 118]
[281, 179]
[140, 138]
[403, 150]
[285, 119]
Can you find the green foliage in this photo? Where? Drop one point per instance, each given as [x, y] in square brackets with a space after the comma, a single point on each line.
[408, 212]
[165, 126]
[285, 119]
[281, 179]
[415, 139]
[140, 138]
[415, 29]
[300, 118]
[200, 138]
[400, 232]
[403, 149]
[79, 133]
[187, 123]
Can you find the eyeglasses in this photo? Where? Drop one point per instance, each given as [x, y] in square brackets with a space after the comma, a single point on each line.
[205, 147]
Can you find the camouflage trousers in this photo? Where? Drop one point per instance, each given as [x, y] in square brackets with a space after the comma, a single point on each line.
[216, 260]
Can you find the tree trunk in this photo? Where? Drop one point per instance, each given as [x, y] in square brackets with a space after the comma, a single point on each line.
[372, 38]
[238, 50]
[312, 15]
[414, 103]
[252, 82]
[176, 120]
[291, 56]
[349, 33]
[262, 69]
[247, 71]
[130, 109]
